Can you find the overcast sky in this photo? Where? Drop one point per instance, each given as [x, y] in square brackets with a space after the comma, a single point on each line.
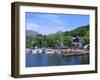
[51, 23]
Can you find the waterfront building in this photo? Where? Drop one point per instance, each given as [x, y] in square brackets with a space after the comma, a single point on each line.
[77, 42]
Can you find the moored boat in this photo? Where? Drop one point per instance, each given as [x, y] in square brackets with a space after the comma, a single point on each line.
[36, 51]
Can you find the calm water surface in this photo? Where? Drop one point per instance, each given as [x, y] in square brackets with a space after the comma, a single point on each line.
[33, 60]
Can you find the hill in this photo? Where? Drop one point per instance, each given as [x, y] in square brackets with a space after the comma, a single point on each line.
[80, 31]
[31, 33]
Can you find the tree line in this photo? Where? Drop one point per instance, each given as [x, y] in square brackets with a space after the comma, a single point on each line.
[58, 39]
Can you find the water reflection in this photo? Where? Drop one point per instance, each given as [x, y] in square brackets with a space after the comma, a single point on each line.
[33, 60]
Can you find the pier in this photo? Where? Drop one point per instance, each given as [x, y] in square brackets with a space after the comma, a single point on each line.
[74, 54]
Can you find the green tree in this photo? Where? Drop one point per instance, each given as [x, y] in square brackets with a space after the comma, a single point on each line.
[58, 39]
[68, 40]
[29, 42]
[86, 38]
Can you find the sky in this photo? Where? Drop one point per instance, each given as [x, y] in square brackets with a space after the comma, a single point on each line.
[46, 23]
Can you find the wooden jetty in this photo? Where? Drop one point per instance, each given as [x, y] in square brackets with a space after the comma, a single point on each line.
[75, 54]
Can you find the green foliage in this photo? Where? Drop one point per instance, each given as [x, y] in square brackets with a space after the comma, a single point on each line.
[58, 39]
[28, 42]
[68, 40]
[86, 38]
[81, 31]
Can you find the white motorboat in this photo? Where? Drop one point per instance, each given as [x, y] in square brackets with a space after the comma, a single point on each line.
[34, 51]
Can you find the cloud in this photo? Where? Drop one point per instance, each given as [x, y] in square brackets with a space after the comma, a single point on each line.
[49, 16]
[43, 29]
[53, 29]
[32, 26]
[46, 24]
[53, 18]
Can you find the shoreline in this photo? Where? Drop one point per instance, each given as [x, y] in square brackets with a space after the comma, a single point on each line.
[67, 51]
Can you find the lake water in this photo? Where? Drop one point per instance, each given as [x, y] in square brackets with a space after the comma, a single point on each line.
[34, 60]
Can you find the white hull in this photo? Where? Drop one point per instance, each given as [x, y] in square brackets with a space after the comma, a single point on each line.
[48, 51]
[37, 51]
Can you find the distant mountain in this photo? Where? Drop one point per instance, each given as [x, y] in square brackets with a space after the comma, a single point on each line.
[31, 33]
[82, 28]
[80, 31]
